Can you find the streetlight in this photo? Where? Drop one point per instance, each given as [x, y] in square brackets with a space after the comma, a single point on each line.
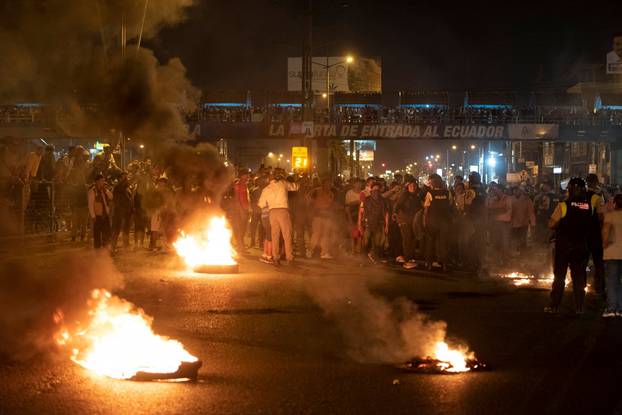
[454, 147]
[326, 66]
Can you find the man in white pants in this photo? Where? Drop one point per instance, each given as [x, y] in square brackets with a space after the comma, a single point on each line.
[274, 195]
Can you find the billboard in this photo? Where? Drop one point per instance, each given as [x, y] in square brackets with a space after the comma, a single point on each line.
[614, 58]
[300, 158]
[362, 75]
[533, 131]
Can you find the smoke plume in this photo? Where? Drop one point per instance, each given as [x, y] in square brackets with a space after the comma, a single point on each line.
[68, 54]
[30, 295]
[374, 329]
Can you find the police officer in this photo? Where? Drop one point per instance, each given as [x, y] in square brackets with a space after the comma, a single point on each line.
[436, 217]
[595, 240]
[571, 221]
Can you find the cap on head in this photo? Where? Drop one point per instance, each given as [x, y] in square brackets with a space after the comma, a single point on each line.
[577, 183]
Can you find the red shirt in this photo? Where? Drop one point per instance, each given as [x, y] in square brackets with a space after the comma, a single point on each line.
[241, 194]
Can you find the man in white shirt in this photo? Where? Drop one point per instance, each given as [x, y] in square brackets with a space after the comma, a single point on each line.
[274, 195]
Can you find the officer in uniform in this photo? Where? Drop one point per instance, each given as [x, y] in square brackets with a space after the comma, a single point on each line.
[595, 239]
[571, 221]
[436, 217]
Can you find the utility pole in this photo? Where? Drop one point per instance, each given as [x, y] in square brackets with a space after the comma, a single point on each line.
[307, 56]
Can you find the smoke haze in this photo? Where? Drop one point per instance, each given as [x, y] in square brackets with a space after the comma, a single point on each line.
[374, 329]
[30, 295]
[67, 53]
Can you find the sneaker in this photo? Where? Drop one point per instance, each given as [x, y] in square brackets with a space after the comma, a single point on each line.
[266, 259]
[326, 256]
[400, 259]
[609, 313]
[436, 265]
[409, 265]
[551, 309]
[371, 258]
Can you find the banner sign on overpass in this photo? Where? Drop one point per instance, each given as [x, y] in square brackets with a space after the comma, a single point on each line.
[211, 130]
[449, 131]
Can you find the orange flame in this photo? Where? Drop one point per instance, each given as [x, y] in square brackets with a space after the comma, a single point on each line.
[211, 247]
[118, 341]
[452, 360]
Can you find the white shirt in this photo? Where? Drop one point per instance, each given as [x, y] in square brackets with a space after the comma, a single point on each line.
[612, 57]
[274, 195]
[614, 220]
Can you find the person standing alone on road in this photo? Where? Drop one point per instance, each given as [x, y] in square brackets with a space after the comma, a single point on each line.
[571, 220]
[99, 198]
[274, 195]
[436, 218]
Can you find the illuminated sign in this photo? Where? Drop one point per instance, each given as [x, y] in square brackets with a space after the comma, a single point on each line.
[300, 158]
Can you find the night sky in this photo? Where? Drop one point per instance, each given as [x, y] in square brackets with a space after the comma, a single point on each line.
[238, 45]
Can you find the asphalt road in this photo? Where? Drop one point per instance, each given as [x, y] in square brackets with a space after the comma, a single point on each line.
[269, 348]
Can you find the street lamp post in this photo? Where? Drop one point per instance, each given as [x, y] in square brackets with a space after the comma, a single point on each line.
[327, 66]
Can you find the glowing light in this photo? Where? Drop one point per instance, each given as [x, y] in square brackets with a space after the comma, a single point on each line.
[324, 95]
[349, 59]
[211, 246]
[142, 146]
[452, 360]
[492, 161]
[454, 147]
[118, 341]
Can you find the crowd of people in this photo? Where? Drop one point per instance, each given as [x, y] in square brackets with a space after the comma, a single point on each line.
[465, 225]
[413, 114]
[430, 224]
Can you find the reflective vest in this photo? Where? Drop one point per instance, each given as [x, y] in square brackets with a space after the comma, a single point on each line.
[575, 222]
[439, 210]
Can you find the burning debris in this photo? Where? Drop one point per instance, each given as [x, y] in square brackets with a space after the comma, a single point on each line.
[210, 250]
[445, 361]
[520, 279]
[117, 341]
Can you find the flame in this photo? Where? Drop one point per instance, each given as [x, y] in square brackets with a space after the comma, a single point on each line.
[211, 247]
[451, 360]
[520, 279]
[118, 341]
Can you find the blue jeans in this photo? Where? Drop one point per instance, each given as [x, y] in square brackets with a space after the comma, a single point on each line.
[613, 285]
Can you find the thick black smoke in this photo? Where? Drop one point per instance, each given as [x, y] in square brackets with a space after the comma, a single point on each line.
[67, 53]
[31, 295]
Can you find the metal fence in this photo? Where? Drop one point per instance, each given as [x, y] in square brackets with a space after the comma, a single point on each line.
[37, 207]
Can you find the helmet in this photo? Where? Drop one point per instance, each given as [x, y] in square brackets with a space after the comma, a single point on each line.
[577, 182]
[576, 186]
